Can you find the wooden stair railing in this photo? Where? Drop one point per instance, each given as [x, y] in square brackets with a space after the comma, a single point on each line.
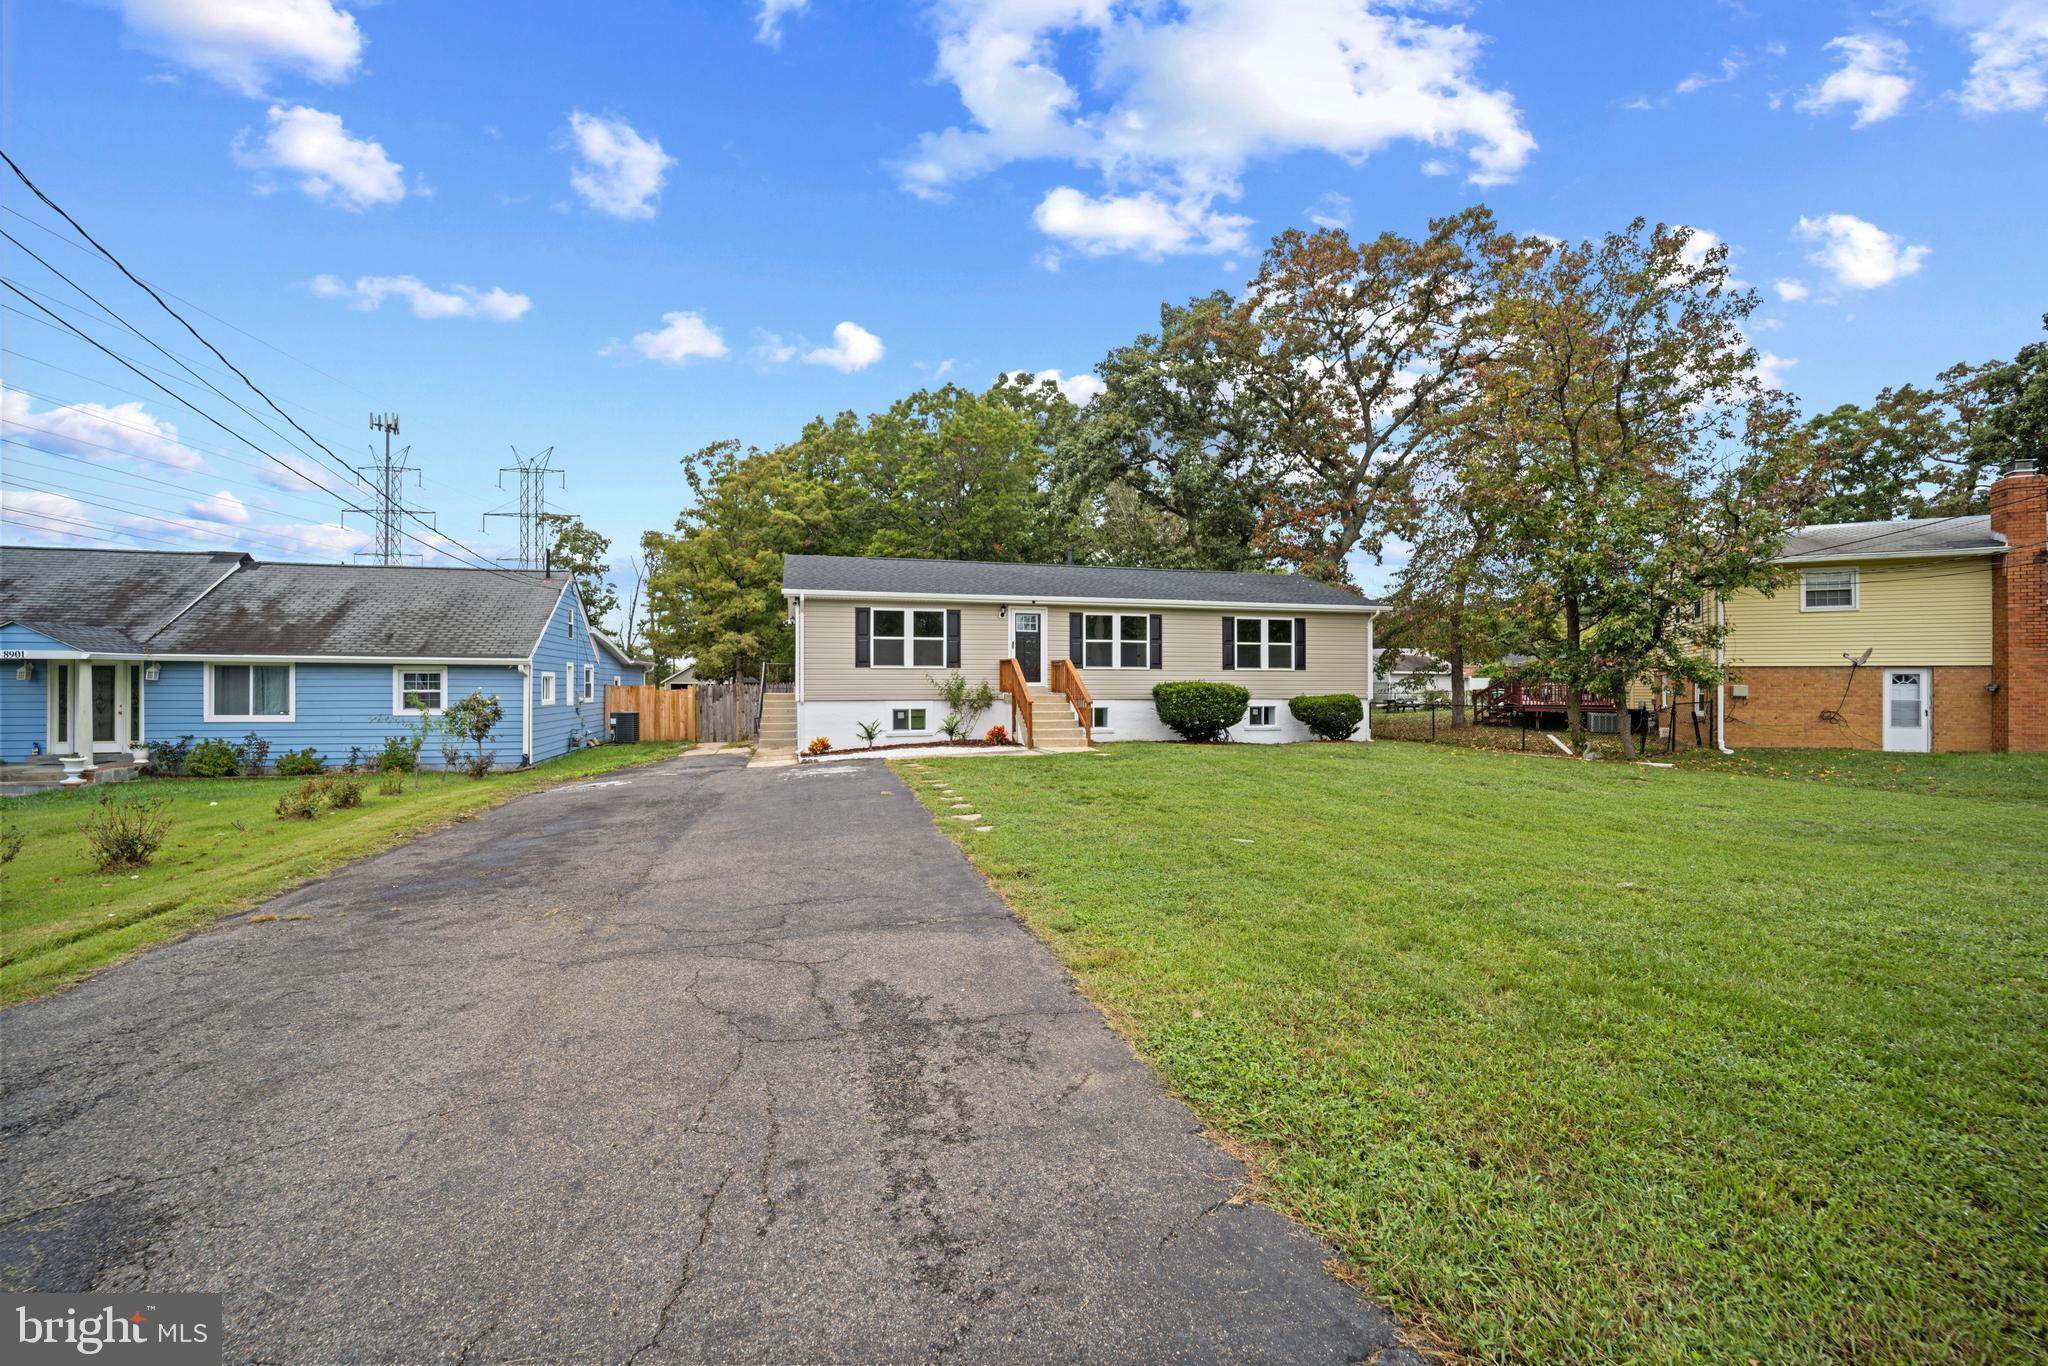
[1067, 679]
[1010, 678]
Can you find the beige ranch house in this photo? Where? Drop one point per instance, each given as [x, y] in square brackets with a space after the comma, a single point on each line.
[1074, 649]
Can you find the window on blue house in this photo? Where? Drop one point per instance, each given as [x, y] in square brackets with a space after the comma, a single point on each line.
[249, 692]
[418, 690]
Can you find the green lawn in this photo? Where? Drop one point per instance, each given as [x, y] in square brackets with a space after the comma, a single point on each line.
[1585, 1062]
[227, 850]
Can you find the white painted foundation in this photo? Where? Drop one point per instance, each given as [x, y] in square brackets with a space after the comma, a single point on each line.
[1128, 720]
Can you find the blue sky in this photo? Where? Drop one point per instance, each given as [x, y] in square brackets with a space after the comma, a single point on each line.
[628, 231]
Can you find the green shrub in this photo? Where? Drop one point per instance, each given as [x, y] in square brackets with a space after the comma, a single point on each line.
[169, 756]
[300, 763]
[355, 760]
[479, 765]
[399, 755]
[213, 759]
[251, 754]
[343, 793]
[1200, 711]
[11, 840]
[124, 834]
[300, 803]
[1331, 717]
[390, 783]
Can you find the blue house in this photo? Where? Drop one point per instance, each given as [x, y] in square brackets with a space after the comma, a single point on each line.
[109, 651]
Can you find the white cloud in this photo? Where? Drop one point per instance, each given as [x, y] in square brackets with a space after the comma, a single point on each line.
[220, 506]
[1333, 210]
[769, 15]
[243, 44]
[1192, 94]
[1079, 389]
[682, 338]
[1731, 67]
[1792, 291]
[45, 518]
[1873, 77]
[95, 432]
[2009, 47]
[1859, 254]
[1702, 241]
[332, 164]
[853, 348]
[1142, 223]
[1770, 369]
[457, 301]
[619, 171]
[772, 349]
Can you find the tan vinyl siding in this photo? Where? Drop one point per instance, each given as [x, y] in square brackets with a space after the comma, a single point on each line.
[1192, 641]
[1192, 648]
[829, 673]
[1921, 612]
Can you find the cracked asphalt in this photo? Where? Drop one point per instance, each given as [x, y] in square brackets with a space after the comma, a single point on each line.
[707, 1064]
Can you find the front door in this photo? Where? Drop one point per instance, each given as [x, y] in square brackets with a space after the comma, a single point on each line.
[1027, 643]
[1908, 710]
[104, 701]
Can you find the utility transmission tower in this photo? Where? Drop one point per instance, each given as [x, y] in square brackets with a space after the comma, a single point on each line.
[533, 472]
[387, 481]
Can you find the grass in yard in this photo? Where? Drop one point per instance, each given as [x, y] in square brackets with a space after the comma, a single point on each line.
[1584, 1062]
[227, 850]
[1995, 777]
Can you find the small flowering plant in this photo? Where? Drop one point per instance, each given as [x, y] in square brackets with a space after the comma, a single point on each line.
[997, 736]
[818, 746]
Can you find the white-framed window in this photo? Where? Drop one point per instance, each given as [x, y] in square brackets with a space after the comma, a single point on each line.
[547, 690]
[1262, 717]
[250, 692]
[1115, 641]
[1265, 642]
[1100, 717]
[1827, 590]
[616, 680]
[589, 682]
[907, 719]
[419, 689]
[907, 637]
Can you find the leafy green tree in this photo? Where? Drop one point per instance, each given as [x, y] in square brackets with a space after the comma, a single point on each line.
[581, 551]
[1637, 464]
[1365, 349]
[473, 718]
[1176, 426]
[2014, 429]
[714, 585]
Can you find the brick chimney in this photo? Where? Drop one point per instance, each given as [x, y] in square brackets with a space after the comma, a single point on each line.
[2019, 612]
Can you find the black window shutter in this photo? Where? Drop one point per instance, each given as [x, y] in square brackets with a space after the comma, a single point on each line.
[1074, 638]
[1301, 642]
[1158, 643]
[860, 638]
[952, 637]
[1230, 642]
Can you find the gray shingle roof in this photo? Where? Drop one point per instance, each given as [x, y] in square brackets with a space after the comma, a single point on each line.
[65, 592]
[1921, 536]
[383, 611]
[1056, 582]
[132, 601]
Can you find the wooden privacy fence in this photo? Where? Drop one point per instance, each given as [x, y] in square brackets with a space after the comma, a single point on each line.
[700, 711]
[665, 713]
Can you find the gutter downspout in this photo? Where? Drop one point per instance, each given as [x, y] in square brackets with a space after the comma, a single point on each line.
[1721, 683]
[526, 712]
[1371, 620]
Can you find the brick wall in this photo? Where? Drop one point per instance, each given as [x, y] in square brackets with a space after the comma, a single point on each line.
[1785, 706]
[2019, 614]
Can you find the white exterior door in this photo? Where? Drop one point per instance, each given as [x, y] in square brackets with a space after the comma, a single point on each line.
[1908, 710]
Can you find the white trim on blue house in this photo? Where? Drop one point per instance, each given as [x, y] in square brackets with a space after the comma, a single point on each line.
[398, 691]
[291, 688]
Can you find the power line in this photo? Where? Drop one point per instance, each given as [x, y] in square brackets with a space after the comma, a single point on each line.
[388, 479]
[146, 288]
[128, 476]
[107, 536]
[128, 508]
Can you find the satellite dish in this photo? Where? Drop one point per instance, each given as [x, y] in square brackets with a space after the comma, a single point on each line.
[1857, 661]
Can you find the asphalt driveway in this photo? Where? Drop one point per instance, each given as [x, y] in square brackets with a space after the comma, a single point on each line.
[700, 1063]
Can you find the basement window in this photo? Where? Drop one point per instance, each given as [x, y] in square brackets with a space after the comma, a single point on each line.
[907, 719]
[1262, 718]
